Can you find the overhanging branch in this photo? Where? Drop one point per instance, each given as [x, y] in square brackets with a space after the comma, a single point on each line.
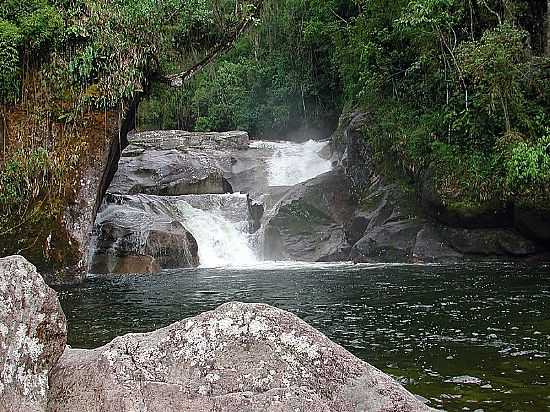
[179, 79]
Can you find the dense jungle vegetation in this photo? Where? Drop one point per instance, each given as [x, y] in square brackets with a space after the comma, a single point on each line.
[456, 90]
[456, 87]
[69, 69]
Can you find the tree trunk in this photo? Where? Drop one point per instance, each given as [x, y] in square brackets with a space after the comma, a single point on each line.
[547, 45]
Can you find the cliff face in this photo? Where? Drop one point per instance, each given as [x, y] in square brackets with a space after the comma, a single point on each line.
[55, 167]
[408, 219]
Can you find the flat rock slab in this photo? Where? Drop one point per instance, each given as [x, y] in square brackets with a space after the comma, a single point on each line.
[33, 335]
[239, 357]
[175, 162]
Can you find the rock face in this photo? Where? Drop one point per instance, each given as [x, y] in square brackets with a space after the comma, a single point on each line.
[532, 222]
[139, 234]
[32, 336]
[308, 222]
[58, 245]
[171, 163]
[394, 230]
[239, 357]
[393, 223]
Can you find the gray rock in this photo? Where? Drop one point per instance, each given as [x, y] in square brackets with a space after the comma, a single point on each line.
[308, 222]
[173, 162]
[389, 224]
[183, 140]
[352, 152]
[390, 242]
[139, 234]
[431, 247]
[533, 222]
[392, 224]
[487, 242]
[32, 336]
[169, 173]
[355, 229]
[239, 357]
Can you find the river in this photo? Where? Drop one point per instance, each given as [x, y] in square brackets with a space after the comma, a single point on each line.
[465, 337]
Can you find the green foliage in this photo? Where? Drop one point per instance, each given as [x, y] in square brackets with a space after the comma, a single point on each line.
[446, 83]
[277, 77]
[527, 166]
[10, 39]
[110, 45]
[498, 65]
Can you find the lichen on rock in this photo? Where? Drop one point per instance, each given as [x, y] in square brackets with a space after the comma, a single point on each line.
[239, 357]
[32, 336]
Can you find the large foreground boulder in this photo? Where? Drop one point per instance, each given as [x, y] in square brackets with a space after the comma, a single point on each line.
[239, 357]
[32, 336]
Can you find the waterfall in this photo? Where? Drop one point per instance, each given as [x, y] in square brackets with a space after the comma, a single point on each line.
[130, 227]
[221, 242]
[294, 163]
[219, 224]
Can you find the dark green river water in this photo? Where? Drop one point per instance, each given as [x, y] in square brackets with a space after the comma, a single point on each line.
[465, 337]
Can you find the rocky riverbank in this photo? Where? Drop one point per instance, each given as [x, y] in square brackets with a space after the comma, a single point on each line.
[352, 212]
[239, 357]
[400, 222]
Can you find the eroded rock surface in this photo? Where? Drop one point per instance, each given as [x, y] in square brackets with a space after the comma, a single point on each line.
[171, 163]
[32, 336]
[308, 222]
[239, 357]
[140, 234]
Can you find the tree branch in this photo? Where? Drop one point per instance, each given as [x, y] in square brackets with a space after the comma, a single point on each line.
[179, 79]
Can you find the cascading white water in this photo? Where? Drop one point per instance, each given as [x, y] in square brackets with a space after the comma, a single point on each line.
[221, 242]
[220, 223]
[293, 163]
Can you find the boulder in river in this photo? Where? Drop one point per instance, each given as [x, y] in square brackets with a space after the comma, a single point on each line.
[239, 357]
[138, 234]
[32, 336]
[308, 222]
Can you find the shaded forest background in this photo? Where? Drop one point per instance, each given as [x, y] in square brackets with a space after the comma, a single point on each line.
[459, 87]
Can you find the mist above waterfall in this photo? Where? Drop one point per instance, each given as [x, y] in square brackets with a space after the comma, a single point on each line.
[294, 163]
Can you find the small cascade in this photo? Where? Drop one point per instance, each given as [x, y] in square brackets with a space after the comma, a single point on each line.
[294, 163]
[221, 242]
[218, 223]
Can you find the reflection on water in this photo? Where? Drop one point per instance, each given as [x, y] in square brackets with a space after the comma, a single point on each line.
[466, 337]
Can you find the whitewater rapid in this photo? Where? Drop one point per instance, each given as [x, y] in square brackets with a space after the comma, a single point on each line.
[222, 242]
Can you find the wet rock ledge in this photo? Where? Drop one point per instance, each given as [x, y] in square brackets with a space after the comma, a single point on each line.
[239, 357]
